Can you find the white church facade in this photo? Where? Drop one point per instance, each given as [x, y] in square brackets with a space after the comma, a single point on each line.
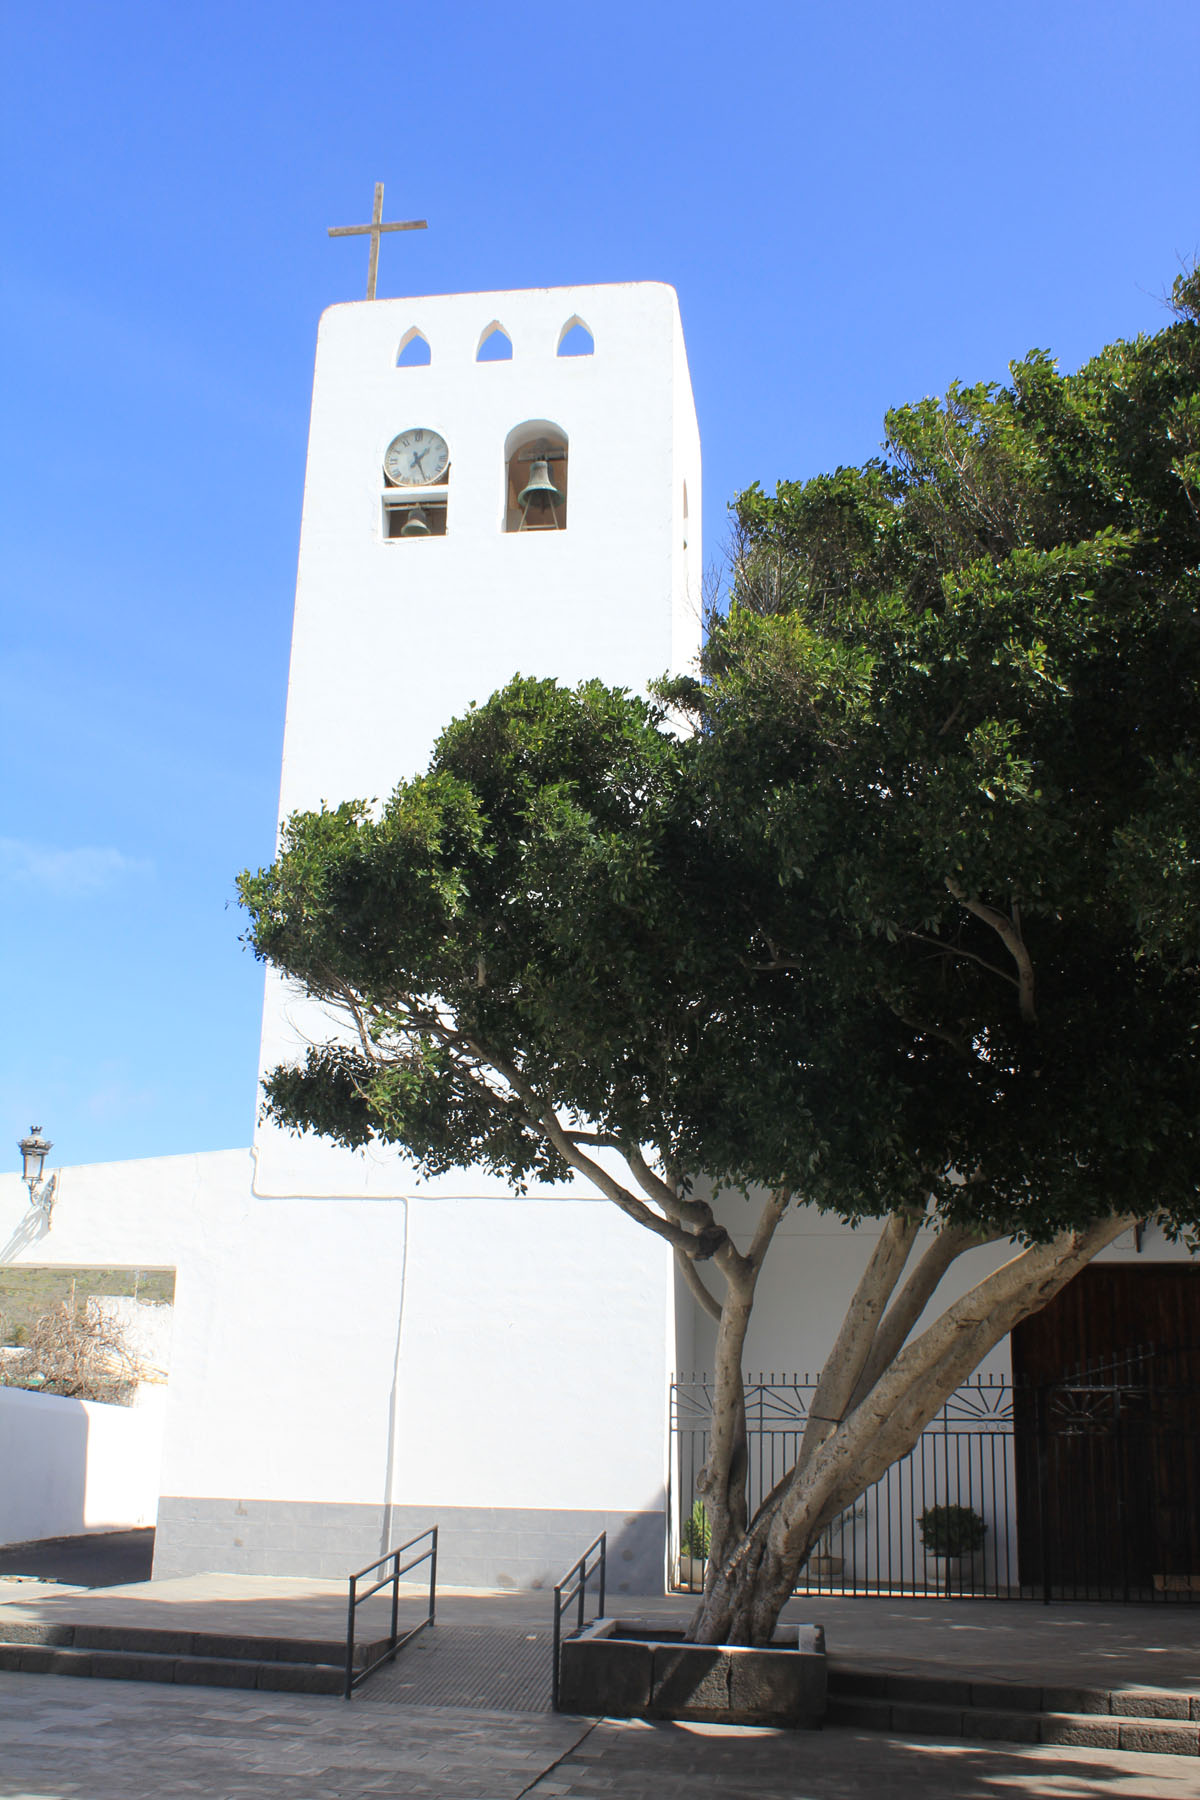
[361, 1352]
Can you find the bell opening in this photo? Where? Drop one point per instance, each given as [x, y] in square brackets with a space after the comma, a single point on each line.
[414, 520]
[537, 479]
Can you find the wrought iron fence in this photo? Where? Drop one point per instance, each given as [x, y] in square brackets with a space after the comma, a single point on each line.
[1085, 1488]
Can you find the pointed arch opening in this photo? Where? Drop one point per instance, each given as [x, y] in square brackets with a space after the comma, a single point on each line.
[575, 339]
[414, 351]
[535, 472]
[495, 345]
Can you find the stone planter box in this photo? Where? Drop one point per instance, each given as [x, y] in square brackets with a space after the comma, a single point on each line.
[619, 1669]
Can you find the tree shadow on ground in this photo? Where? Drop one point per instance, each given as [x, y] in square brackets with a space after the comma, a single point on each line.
[635, 1759]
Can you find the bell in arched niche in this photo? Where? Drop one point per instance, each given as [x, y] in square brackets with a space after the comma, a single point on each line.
[537, 479]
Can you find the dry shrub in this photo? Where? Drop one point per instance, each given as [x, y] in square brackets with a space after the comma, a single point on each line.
[80, 1354]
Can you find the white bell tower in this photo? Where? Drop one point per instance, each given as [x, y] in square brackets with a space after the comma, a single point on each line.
[360, 1352]
[424, 582]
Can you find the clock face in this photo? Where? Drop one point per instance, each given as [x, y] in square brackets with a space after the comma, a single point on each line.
[416, 458]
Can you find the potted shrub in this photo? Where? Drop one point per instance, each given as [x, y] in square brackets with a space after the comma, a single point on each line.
[824, 1561]
[951, 1536]
[694, 1541]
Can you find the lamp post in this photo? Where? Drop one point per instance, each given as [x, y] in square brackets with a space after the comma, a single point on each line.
[34, 1151]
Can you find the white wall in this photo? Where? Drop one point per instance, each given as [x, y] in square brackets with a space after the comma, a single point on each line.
[460, 1352]
[513, 1353]
[538, 1379]
[69, 1466]
[150, 1214]
[145, 1327]
[810, 1274]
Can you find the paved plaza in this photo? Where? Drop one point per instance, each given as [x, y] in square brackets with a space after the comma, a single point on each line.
[1017, 1640]
[113, 1740]
[462, 1714]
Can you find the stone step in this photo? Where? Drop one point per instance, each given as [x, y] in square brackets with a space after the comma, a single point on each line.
[195, 1658]
[162, 1642]
[1160, 1735]
[242, 1671]
[156, 1641]
[850, 1682]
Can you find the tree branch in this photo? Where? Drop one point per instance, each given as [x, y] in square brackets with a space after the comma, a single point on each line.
[908, 1305]
[920, 937]
[674, 1204]
[1009, 932]
[691, 1275]
[773, 1210]
[843, 1365]
[542, 1117]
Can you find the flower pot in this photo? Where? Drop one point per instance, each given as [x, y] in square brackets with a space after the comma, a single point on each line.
[950, 1574]
[825, 1567]
[690, 1573]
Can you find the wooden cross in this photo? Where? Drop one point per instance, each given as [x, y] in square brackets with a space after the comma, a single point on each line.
[374, 229]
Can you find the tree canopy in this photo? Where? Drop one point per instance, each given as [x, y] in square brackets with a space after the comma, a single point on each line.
[904, 924]
[951, 723]
[917, 901]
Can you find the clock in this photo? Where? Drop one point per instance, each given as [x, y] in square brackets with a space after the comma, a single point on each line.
[416, 458]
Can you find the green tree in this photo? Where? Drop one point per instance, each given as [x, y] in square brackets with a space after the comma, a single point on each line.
[906, 927]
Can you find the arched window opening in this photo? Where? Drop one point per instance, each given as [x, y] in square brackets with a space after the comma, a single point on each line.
[535, 458]
[495, 345]
[416, 490]
[575, 339]
[414, 351]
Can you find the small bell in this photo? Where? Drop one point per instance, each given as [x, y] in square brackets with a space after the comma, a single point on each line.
[416, 524]
[540, 491]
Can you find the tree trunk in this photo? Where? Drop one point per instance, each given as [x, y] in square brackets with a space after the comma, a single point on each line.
[750, 1580]
[743, 1598]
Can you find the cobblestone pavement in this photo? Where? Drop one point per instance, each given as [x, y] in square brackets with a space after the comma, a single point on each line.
[124, 1740]
[110, 1740]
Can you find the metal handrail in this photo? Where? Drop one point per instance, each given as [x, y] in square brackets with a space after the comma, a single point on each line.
[563, 1599]
[395, 1642]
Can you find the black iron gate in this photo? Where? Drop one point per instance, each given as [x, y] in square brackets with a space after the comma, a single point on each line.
[1108, 1479]
[1086, 1488]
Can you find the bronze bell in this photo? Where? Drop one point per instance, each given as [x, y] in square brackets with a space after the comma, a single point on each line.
[416, 524]
[539, 489]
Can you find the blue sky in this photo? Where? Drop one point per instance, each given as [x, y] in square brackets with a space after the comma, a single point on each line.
[857, 204]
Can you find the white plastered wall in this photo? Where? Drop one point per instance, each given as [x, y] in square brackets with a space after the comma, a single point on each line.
[67, 1465]
[810, 1274]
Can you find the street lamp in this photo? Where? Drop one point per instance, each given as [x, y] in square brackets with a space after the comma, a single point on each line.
[34, 1151]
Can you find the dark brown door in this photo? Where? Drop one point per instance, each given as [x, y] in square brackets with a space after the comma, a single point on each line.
[1107, 1426]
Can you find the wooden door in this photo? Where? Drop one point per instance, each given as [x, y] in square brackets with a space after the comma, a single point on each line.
[1107, 1427]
